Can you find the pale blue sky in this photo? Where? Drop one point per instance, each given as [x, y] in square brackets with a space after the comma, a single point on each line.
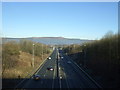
[83, 20]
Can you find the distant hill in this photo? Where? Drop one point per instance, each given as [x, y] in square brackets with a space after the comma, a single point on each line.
[49, 40]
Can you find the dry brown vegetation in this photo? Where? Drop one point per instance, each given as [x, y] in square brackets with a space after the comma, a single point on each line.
[17, 58]
[101, 58]
[23, 66]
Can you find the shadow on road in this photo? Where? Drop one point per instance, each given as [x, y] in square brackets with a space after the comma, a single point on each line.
[100, 71]
[12, 82]
[31, 83]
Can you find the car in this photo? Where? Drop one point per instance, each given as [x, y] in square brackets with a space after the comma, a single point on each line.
[69, 62]
[49, 58]
[61, 57]
[61, 77]
[36, 77]
[50, 68]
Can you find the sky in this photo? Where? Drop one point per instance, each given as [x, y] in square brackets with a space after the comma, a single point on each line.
[82, 20]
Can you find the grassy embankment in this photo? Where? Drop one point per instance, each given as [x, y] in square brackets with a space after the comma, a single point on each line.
[101, 59]
[17, 58]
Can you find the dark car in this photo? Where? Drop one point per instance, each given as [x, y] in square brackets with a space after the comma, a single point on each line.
[68, 62]
[50, 68]
[36, 77]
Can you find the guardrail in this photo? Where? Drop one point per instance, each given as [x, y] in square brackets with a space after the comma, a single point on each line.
[33, 72]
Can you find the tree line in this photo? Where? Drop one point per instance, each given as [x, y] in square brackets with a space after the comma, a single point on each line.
[102, 57]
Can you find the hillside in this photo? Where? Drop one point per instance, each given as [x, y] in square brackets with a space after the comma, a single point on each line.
[50, 40]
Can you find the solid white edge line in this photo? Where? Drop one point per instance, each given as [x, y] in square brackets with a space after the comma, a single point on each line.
[66, 80]
[86, 74]
[38, 69]
[42, 64]
[53, 77]
[54, 72]
[59, 74]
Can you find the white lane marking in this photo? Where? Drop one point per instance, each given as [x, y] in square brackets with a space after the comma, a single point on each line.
[65, 77]
[44, 77]
[42, 64]
[45, 73]
[24, 86]
[38, 69]
[53, 77]
[84, 73]
[60, 79]
[60, 83]
[59, 75]
[66, 80]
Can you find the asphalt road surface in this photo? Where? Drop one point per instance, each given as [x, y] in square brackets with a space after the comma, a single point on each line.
[66, 74]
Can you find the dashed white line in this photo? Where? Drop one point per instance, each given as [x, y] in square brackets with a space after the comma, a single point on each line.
[53, 77]
[86, 74]
[60, 82]
[66, 80]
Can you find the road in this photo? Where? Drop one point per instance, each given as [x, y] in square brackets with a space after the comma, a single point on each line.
[66, 74]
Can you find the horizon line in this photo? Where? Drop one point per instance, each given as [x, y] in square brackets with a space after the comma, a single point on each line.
[52, 37]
